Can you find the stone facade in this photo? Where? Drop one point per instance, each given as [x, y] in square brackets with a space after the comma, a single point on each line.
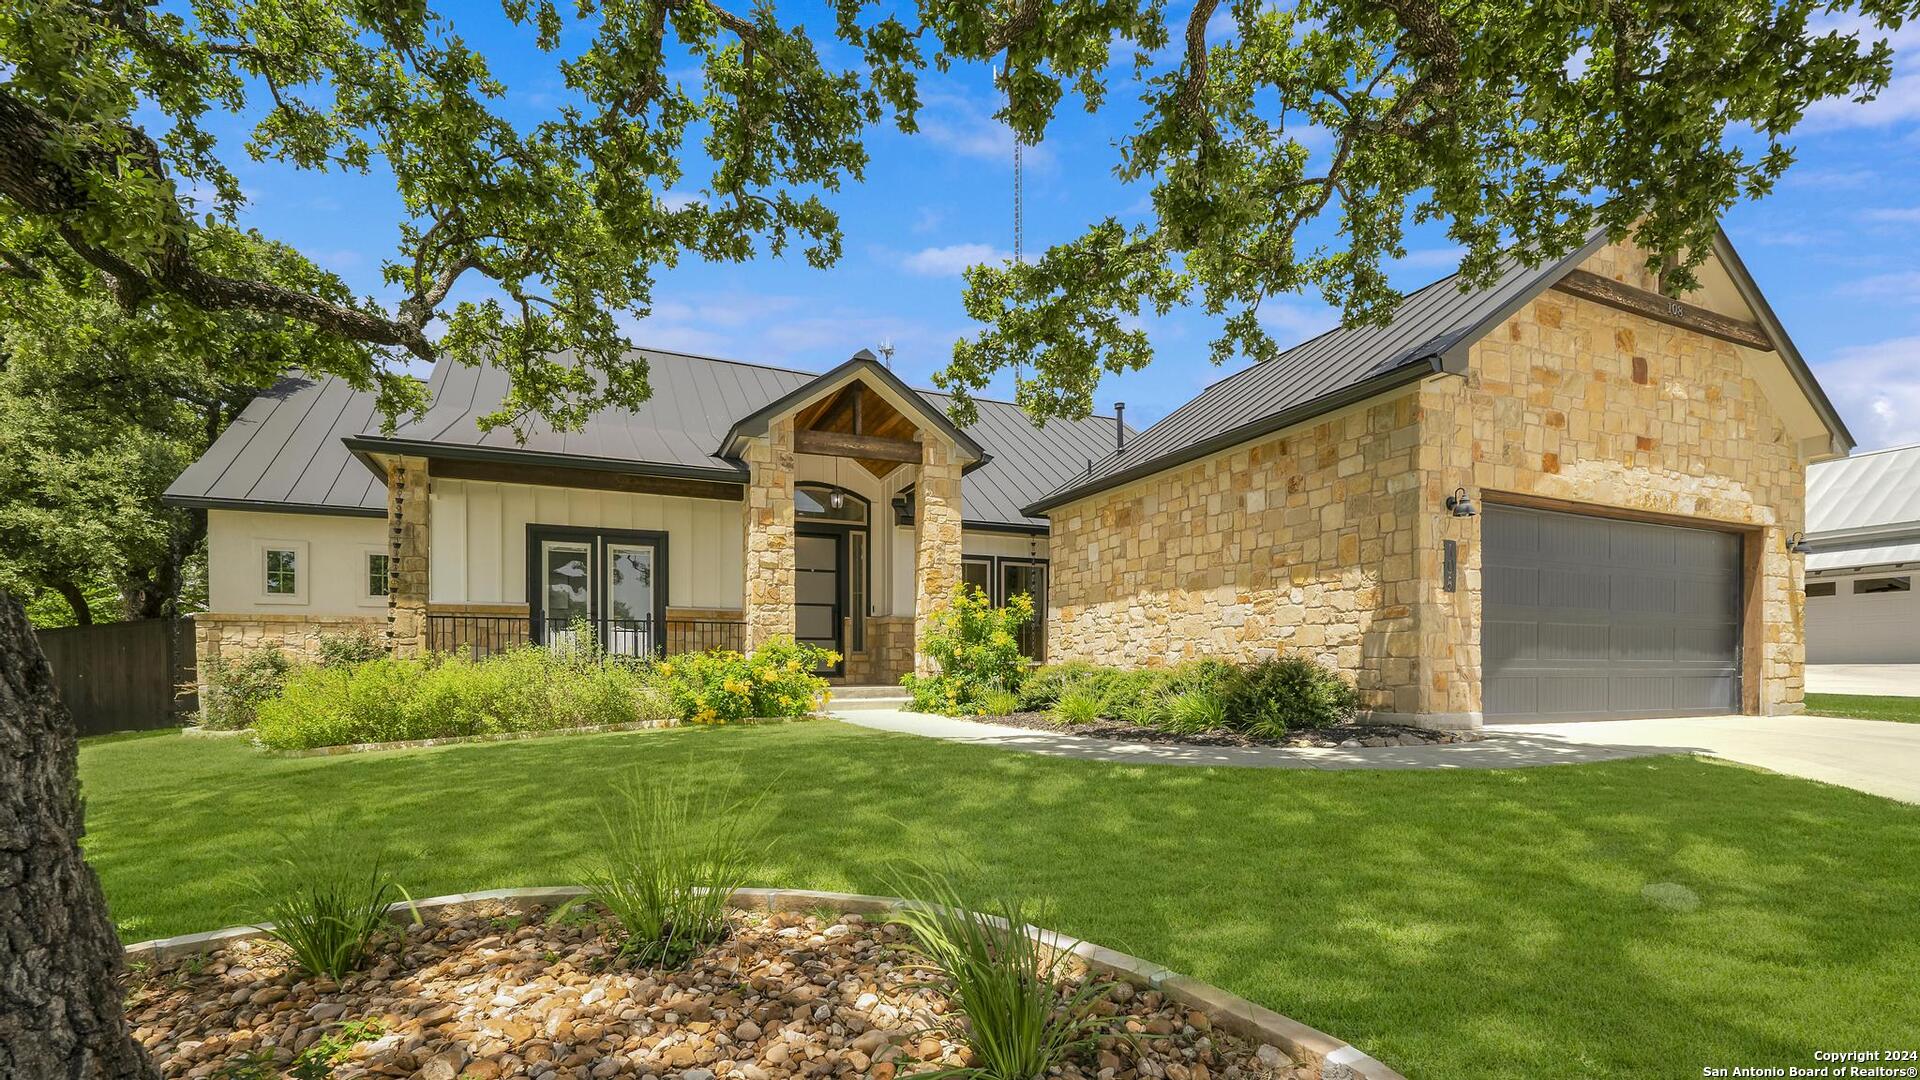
[1326, 539]
[1302, 542]
[936, 538]
[888, 655]
[408, 549]
[769, 524]
[229, 637]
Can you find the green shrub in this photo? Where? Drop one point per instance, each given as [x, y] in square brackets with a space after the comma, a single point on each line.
[324, 899]
[1271, 697]
[1044, 685]
[998, 703]
[669, 863]
[977, 648]
[1193, 711]
[1077, 706]
[337, 650]
[1011, 1004]
[777, 680]
[231, 692]
[392, 699]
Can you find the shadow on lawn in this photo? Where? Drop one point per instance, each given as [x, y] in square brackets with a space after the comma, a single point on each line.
[1485, 923]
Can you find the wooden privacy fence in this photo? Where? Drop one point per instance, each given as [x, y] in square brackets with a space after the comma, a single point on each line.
[122, 676]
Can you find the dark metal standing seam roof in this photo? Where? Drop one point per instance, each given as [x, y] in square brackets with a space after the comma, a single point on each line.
[290, 448]
[1428, 332]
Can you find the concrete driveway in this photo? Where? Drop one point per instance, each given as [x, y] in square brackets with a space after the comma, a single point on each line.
[1874, 756]
[1885, 680]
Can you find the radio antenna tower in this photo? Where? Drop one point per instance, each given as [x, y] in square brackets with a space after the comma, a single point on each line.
[1019, 208]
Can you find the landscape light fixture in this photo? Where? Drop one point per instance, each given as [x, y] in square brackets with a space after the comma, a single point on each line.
[1460, 503]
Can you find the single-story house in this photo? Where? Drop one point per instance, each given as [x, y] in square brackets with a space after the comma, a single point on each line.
[741, 502]
[1563, 495]
[1863, 532]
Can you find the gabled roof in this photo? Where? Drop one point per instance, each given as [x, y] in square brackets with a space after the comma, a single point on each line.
[863, 365]
[1428, 333]
[1864, 510]
[285, 453]
[293, 447]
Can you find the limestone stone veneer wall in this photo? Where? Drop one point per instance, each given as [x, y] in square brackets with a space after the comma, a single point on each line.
[1325, 539]
[230, 637]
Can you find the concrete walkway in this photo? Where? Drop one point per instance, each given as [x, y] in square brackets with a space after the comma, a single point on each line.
[1882, 680]
[1867, 755]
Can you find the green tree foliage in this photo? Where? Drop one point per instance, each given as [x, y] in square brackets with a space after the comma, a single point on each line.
[1511, 122]
[101, 407]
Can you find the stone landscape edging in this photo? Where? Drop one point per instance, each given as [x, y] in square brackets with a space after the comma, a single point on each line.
[1327, 1057]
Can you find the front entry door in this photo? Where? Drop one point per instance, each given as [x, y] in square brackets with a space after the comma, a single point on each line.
[819, 605]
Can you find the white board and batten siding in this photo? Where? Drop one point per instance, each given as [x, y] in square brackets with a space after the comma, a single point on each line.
[479, 539]
[330, 562]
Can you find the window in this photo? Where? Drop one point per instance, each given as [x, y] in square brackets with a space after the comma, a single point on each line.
[857, 588]
[379, 582]
[978, 573]
[283, 578]
[1882, 585]
[1822, 588]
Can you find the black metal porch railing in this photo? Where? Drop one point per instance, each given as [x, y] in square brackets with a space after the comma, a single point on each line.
[479, 636]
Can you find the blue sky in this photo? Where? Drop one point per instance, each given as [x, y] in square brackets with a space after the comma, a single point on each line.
[1836, 247]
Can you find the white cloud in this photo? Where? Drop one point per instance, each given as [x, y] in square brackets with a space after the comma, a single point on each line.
[1830, 179]
[950, 260]
[958, 124]
[1894, 214]
[1429, 259]
[1876, 387]
[1898, 103]
[680, 200]
[928, 219]
[1901, 283]
[1291, 322]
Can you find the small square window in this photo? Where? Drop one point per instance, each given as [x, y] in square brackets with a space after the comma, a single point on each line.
[282, 572]
[378, 580]
[1882, 584]
[1823, 588]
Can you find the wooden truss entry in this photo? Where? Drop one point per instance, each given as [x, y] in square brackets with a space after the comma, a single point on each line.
[854, 423]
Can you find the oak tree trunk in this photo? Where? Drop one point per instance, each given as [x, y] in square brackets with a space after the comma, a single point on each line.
[61, 1013]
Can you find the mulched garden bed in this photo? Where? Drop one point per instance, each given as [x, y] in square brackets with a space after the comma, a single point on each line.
[1346, 735]
[480, 993]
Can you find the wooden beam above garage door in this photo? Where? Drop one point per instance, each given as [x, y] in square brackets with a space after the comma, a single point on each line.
[1665, 309]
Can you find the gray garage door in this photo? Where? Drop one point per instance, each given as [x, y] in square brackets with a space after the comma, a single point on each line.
[1592, 618]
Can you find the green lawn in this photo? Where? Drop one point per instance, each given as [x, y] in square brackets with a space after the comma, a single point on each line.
[1455, 924]
[1906, 710]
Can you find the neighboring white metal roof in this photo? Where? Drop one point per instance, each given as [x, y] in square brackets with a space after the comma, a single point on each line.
[1851, 558]
[1875, 489]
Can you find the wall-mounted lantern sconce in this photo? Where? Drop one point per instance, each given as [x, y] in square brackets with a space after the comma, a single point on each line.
[1797, 543]
[1460, 503]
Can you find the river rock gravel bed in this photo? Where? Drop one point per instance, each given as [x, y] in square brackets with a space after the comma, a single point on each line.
[480, 992]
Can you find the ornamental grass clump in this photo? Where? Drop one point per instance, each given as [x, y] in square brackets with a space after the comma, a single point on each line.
[669, 861]
[325, 899]
[1013, 1005]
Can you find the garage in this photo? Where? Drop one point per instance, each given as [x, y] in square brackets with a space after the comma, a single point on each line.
[1593, 618]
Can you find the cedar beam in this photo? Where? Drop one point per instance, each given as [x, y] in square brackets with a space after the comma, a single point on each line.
[866, 447]
[1665, 309]
[500, 472]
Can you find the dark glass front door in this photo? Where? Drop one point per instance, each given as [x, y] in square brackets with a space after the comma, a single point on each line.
[819, 576]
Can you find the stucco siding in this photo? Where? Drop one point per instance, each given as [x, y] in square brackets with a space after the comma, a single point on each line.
[331, 565]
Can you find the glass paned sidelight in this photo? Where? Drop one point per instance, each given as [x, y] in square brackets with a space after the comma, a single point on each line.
[857, 588]
[630, 599]
[282, 572]
[568, 577]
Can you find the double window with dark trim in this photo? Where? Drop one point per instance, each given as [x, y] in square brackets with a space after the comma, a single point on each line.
[611, 583]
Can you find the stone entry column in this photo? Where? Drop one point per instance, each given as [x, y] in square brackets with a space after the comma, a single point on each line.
[936, 539]
[769, 543]
[409, 531]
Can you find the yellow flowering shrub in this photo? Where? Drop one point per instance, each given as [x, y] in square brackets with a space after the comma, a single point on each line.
[776, 680]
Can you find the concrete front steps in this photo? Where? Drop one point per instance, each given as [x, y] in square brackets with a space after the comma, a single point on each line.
[846, 698]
